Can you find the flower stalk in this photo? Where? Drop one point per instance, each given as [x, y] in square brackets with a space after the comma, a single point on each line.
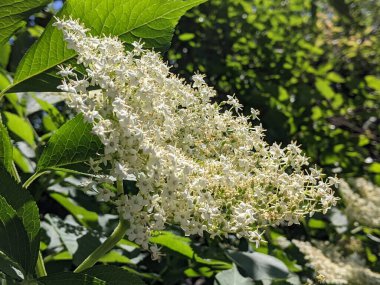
[109, 243]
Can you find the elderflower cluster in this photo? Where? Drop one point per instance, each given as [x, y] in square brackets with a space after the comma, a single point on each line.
[194, 165]
[362, 203]
[332, 268]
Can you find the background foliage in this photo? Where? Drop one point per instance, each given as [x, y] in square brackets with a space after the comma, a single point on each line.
[312, 68]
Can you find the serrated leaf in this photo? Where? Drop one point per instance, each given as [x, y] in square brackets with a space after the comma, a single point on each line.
[14, 243]
[153, 21]
[13, 13]
[27, 211]
[70, 147]
[114, 275]
[259, 266]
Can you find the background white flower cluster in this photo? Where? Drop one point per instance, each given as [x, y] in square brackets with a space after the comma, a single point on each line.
[195, 165]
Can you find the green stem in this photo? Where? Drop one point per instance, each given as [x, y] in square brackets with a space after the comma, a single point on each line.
[109, 243]
[105, 247]
[40, 266]
[32, 178]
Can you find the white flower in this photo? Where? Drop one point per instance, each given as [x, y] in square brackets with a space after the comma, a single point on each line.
[195, 165]
[234, 102]
[105, 195]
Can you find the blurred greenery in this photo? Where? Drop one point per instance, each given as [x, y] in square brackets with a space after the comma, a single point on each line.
[312, 68]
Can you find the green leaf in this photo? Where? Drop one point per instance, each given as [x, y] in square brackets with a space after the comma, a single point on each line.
[64, 278]
[373, 82]
[232, 277]
[6, 152]
[26, 209]
[14, 243]
[174, 242]
[98, 275]
[259, 266]
[70, 147]
[4, 55]
[84, 216]
[115, 257]
[56, 117]
[182, 246]
[186, 37]
[335, 77]
[13, 13]
[20, 127]
[21, 161]
[317, 224]
[114, 275]
[131, 20]
[374, 167]
[323, 86]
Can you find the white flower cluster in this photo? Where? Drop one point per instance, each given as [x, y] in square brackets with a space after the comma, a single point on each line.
[195, 166]
[332, 268]
[362, 205]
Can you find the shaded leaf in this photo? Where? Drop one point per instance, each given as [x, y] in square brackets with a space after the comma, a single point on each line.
[64, 278]
[259, 266]
[26, 209]
[114, 275]
[14, 243]
[232, 277]
[11, 268]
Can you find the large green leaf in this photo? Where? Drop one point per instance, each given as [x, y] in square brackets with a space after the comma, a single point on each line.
[114, 275]
[14, 243]
[70, 147]
[13, 13]
[64, 278]
[27, 211]
[153, 21]
[104, 275]
[259, 266]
